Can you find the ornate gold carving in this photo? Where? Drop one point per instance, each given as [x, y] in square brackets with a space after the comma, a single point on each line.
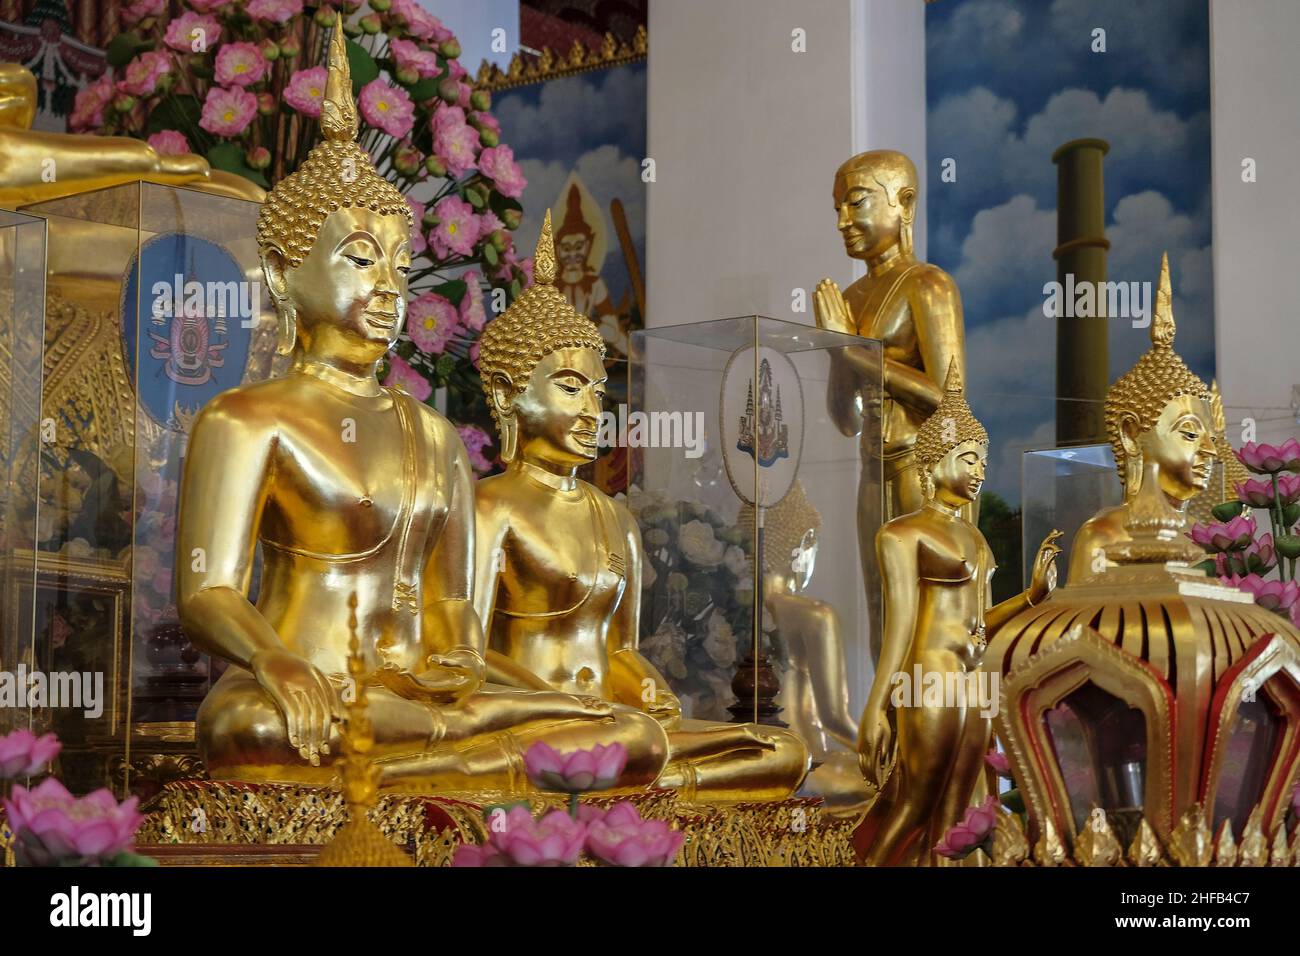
[1225, 847]
[1049, 850]
[1145, 850]
[1010, 845]
[1281, 853]
[548, 65]
[1192, 844]
[1096, 844]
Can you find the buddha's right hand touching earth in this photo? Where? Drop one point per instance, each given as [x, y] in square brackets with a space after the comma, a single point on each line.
[303, 695]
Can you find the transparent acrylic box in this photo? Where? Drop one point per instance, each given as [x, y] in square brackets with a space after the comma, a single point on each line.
[1062, 488]
[154, 304]
[737, 410]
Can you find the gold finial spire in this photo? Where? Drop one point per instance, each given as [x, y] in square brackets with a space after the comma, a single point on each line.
[952, 383]
[338, 113]
[544, 257]
[1162, 322]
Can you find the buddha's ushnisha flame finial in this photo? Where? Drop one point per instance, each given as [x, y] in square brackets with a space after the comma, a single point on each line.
[952, 384]
[544, 257]
[1162, 322]
[338, 113]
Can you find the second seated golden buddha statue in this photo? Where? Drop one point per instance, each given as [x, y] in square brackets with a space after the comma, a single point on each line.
[558, 578]
[351, 489]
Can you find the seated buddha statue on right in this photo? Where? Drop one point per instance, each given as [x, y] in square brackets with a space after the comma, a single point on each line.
[558, 576]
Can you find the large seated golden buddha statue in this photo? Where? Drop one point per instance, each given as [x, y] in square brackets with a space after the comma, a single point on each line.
[558, 578]
[351, 488]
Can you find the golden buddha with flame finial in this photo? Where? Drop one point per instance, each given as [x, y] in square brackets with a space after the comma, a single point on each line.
[1160, 423]
[558, 577]
[936, 569]
[350, 488]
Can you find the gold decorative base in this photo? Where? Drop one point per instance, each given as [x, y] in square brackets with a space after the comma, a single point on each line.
[202, 817]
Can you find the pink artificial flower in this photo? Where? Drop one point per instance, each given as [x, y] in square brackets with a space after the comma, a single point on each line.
[554, 840]
[208, 6]
[498, 164]
[486, 121]
[142, 9]
[140, 78]
[401, 374]
[999, 763]
[274, 11]
[975, 829]
[455, 142]
[1228, 565]
[1270, 459]
[169, 142]
[1260, 556]
[576, 772]
[467, 854]
[193, 32]
[455, 232]
[88, 107]
[621, 837]
[418, 242]
[408, 55]
[305, 91]
[1279, 596]
[23, 754]
[476, 439]
[228, 112]
[51, 825]
[1258, 492]
[388, 108]
[1217, 536]
[472, 313]
[431, 322]
[526, 266]
[420, 22]
[240, 64]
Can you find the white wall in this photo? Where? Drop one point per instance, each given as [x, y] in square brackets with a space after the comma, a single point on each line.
[1255, 82]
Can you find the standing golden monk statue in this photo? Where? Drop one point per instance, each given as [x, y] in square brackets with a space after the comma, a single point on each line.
[913, 308]
[558, 577]
[936, 569]
[350, 488]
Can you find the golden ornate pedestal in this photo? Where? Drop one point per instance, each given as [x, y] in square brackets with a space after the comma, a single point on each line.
[223, 823]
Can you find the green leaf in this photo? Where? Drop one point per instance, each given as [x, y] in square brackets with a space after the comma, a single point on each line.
[446, 365]
[362, 64]
[230, 158]
[1206, 566]
[124, 48]
[500, 204]
[425, 89]
[453, 291]
[1227, 511]
[1013, 801]
[490, 254]
[180, 113]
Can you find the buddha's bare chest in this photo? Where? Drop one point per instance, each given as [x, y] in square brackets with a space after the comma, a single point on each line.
[561, 560]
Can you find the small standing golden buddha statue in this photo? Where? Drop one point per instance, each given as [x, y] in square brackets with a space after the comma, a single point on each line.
[350, 488]
[936, 569]
[914, 309]
[558, 578]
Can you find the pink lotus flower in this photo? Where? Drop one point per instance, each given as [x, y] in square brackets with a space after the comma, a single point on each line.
[1278, 596]
[485, 121]
[582, 770]
[52, 825]
[409, 56]
[274, 11]
[1258, 492]
[999, 762]
[1260, 556]
[1227, 565]
[1217, 536]
[193, 32]
[169, 142]
[228, 112]
[387, 107]
[418, 242]
[208, 6]
[467, 854]
[305, 91]
[88, 107]
[476, 439]
[456, 231]
[554, 840]
[141, 9]
[240, 64]
[455, 142]
[401, 374]
[975, 830]
[431, 322]
[472, 313]
[420, 22]
[1270, 459]
[621, 837]
[498, 164]
[142, 74]
[23, 754]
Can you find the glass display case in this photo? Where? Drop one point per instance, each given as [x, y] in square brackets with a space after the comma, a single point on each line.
[1062, 488]
[153, 304]
[755, 603]
[22, 316]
